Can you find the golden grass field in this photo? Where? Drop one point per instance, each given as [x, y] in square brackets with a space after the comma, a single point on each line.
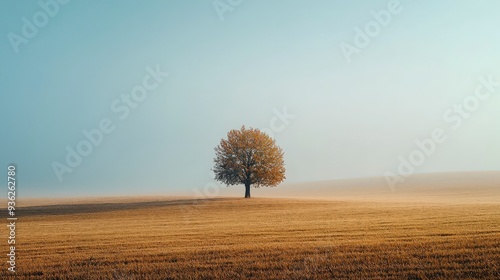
[257, 238]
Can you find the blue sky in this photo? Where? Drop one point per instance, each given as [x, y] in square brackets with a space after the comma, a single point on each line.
[351, 119]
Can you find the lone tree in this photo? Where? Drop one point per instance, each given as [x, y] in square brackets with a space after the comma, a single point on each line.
[249, 157]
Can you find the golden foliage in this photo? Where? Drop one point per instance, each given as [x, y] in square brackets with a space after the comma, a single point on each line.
[249, 157]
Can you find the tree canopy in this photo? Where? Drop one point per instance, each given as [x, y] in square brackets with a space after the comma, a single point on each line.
[249, 157]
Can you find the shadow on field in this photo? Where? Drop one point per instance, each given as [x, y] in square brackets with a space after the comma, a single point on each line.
[69, 209]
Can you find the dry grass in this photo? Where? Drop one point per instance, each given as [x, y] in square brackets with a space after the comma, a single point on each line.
[258, 238]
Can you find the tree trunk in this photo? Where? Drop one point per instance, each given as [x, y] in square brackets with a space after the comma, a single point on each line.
[247, 190]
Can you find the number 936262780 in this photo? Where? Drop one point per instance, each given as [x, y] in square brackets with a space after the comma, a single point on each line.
[11, 186]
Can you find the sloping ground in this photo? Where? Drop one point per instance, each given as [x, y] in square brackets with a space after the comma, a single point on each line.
[439, 187]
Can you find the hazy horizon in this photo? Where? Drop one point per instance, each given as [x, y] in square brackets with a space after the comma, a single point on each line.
[348, 117]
